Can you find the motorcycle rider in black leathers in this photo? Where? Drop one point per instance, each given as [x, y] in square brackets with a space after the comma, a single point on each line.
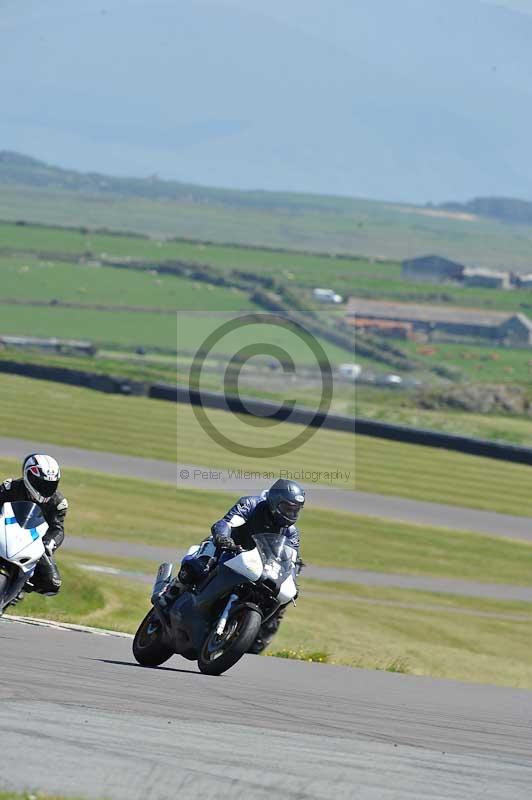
[275, 511]
[39, 482]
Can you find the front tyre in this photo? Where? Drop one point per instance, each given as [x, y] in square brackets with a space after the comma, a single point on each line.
[149, 647]
[219, 653]
[4, 584]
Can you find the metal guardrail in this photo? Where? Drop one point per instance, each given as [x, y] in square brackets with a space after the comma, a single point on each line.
[110, 384]
[250, 405]
[446, 441]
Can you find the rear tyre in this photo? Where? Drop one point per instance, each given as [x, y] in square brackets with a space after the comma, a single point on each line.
[219, 653]
[149, 647]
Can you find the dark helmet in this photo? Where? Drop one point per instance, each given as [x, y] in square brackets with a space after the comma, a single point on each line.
[41, 476]
[285, 500]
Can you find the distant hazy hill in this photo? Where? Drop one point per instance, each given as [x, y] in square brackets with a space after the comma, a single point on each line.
[410, 100]
[506, 209]
[21, 170]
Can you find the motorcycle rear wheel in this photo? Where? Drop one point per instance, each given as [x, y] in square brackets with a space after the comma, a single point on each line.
[149, 647]
[219, 653]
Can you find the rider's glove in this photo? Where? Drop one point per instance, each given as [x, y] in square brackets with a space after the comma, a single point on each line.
[226, 543]
[50, 546]
[299, 565]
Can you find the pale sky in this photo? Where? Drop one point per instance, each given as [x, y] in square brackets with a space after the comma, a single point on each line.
[519, 5]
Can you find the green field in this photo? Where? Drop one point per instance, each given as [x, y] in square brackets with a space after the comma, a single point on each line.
[297, 268]
[30, 279]
[193, 329]
[107, 328]
[149, 329]
[302, 222]
[114, 308]
[482, 363]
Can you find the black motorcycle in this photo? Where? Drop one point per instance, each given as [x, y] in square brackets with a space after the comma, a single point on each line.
[217, 621]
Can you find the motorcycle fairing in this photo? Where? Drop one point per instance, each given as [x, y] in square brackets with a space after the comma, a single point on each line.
[249, 564]
[18, 544]
[287, 591]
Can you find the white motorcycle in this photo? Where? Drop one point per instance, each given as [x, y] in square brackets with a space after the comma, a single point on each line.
[22, 527]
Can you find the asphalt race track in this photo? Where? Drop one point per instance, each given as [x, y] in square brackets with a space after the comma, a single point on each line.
[397, 508]
[79, 717]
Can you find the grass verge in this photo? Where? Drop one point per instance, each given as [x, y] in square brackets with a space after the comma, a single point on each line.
[404, 634]
[33, 796]
[442, 476]
[87, 598]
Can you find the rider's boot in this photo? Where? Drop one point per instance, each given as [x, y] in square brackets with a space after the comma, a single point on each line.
[267, 631]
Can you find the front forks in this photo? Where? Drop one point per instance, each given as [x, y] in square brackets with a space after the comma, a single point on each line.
[222, 622]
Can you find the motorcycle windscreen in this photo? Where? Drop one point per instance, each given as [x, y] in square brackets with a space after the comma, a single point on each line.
[23, 526]
[28, 515]
[278, 557]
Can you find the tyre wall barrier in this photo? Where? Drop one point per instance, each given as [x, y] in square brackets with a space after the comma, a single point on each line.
[446, 441]
[76, 377]
[248, 405]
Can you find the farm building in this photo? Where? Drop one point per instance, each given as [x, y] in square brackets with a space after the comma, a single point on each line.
[383, 327]
[432, 269]
[455, 322]
[525, 281]
[485, 277]
[517, 330]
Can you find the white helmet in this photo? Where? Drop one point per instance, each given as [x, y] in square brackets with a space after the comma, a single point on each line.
[41, 476]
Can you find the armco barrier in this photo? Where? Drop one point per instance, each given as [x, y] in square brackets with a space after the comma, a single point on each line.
[75, 377]
[446, 441]
[248, 405]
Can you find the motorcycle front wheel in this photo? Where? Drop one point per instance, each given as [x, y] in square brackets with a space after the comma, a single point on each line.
[149, 647]
[4, 583]
[219, 653]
